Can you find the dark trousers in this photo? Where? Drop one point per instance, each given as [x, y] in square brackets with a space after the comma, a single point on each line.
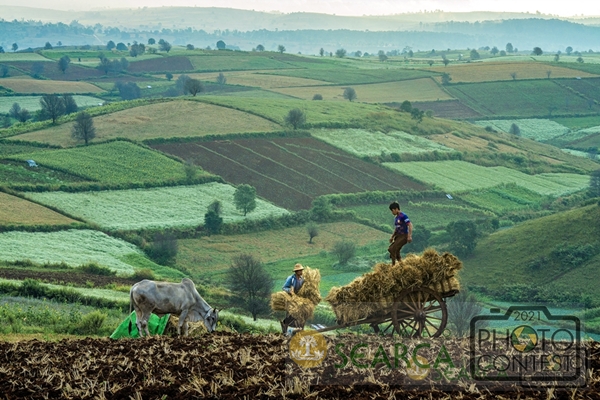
[396, 246]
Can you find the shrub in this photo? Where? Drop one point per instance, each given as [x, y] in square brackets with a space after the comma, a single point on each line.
[142, 274]
[90, 324]
[317, 97]
[95, 269]
[164, 248]
[462, 308]
[344, 250]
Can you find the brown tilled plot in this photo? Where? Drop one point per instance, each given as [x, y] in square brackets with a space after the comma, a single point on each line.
[235, 366]
[290, 172]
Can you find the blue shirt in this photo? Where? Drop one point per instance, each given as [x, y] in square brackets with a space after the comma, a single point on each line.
[401, 223]
[292, 281]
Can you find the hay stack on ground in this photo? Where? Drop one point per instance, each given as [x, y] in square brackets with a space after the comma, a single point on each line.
[374, 292]
[194, 328]
[302, 304]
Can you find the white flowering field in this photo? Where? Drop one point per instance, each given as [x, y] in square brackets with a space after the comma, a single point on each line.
[364, 143]
[576, 153]
[535, 129]
[459, 176]
[164, 207]
[73, 247]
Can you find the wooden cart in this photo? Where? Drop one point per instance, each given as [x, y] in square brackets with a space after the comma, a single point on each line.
[416, 312]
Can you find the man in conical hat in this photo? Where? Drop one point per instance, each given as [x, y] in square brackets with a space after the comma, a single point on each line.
[292, 285]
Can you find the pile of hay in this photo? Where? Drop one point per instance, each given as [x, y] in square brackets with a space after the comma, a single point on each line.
[194, 328]
[374, 292]
[302, 304]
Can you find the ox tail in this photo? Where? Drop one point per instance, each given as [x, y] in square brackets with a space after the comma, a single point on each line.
[130, 307]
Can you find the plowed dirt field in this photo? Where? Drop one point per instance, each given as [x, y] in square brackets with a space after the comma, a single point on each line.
[221, 366]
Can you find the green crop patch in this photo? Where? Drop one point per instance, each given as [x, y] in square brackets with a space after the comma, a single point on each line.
[521, 98]
[185, 119]
[540, 130]
[361, 142]
[73, 247]
[503, 198]
[116, 162]
[460, 176]
[239, 62]
[32, 103]
[166, 207]
[349, 76]
[13, 173]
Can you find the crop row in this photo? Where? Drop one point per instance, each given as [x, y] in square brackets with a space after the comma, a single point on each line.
[536, 129]
[460, 176]
[180, 206]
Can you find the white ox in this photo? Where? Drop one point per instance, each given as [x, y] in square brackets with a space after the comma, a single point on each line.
[162, 298]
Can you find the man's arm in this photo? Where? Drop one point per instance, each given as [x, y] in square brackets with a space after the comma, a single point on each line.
[287, 285]
[410, 229]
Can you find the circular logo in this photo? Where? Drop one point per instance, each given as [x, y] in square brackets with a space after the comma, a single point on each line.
[524, 338]
[308, 348]
[417, 373]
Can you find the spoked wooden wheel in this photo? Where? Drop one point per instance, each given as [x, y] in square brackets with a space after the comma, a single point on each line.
[419, 312]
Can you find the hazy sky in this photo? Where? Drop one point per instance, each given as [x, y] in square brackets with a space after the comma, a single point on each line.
[339, 7]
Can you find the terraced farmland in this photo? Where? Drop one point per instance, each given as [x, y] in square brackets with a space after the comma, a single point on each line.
[413, 90]
[50, 71]
[452, 109]
[236, 62]
[114, 163]
[289, 172]
[73, 247]
[32, 103]
[38, 86]
[501, 71]
[17, 211]
[350, 76]
[365, 143]
[540, 130]
[459, 176]
[181, 206]
[162, 64]
[185, 119]
[260, 79]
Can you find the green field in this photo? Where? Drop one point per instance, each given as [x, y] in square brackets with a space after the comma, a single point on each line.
[361, 142]
[181, 206]
[540, 130]
[32, 103]
[237, 62]
[503, 198]
[116, 162]
[350, 76]
[73, 247]
[17, 211]
[185, 119]
[21, 57]
[13, 173]
[579, 122]
[431, 214]
[520, 98]
[460, 176]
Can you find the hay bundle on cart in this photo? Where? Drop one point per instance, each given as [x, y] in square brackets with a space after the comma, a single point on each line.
[374, 292]
[302, 304]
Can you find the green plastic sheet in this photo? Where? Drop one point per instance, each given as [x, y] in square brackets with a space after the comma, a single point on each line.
[156, 326]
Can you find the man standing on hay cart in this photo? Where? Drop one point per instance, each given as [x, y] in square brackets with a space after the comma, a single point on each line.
[292, 285]
[402, 232]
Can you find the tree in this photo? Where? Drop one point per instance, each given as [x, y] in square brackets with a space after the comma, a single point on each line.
[15, 111]
[548, 73]
[169, 76]
[313, 231]
[221, 45]
[417, 114]
[260, 47]
[420, 241]
[37, 69]
[221, 79]
[446, 79]
[48, 46]
[121, 46]
[128, 90]
[164, 46]
[244, 198]
[193, 87]
[1, 50]
[70, 104]
[137, 49]
[15, 47]
[514, 129]
[349, 94]
[406, 106]
[537, 51]
[321, 52]
[151, 41]
[63, 63]
[358, 53]
[502, 53]
[382, 56]
[509, 48]
[594, 190]
[164, 248]
[556, 57]
[580, 60]
[430, 62]
[212, 219]
[513, 75]
[344, 250]
[52, 106]
[281, 48]
[569, 50]
[180, 83]
[6, 122]
[189, 47]
[296, 118]
[494, 50]
[475, 55]
[318, 96]
[340, 53]
[321, 209]
[4, 70]
[83, 129]
[463, 237]
[251, 284]
[24, 115]
[462, 308]
[110, 45]
[445, 61]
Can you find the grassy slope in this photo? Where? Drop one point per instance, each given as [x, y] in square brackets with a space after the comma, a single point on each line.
[16, 211]
[502, 257]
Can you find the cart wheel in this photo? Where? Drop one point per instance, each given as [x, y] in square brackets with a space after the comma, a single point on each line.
[419, 312]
